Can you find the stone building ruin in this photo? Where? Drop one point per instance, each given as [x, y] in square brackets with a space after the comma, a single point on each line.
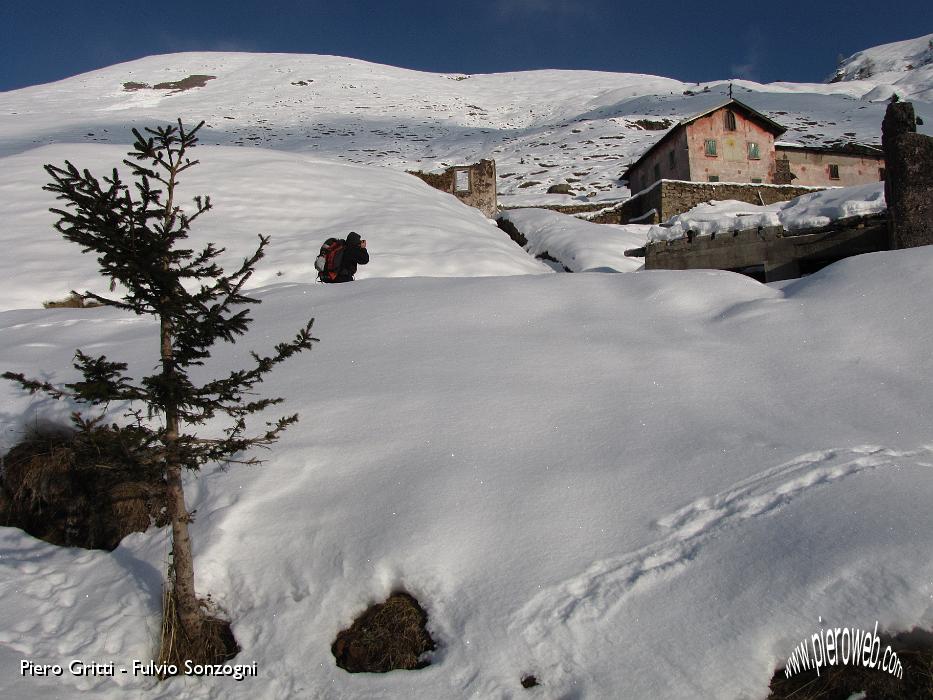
[474, 185]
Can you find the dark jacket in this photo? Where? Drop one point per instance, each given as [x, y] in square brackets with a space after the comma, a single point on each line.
[354, 254]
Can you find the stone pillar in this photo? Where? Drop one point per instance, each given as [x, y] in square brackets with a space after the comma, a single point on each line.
[908, 187]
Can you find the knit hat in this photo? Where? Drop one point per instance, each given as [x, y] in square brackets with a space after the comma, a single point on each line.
[353, 238]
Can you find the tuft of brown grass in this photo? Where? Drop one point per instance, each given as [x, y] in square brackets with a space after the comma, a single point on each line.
[81, 488]
[914, 650]
[385, 637]
[38, 469]
[215, 646]
[73, 301]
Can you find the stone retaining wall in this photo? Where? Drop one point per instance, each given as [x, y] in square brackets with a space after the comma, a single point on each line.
[667, 198]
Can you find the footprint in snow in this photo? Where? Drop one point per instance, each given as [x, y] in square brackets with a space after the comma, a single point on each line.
[593, 595]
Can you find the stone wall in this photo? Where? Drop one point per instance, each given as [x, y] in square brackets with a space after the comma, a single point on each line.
[770, 253]
[678, 197]
[909, 183]
[474, 185]
[643, 208]
[671, 197]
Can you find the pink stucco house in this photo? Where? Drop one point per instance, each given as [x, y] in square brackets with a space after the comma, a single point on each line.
[732, 142]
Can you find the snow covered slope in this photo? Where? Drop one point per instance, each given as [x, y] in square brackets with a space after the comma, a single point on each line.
[905, 67]
[300, 200]
[647, 485]
[541, 127]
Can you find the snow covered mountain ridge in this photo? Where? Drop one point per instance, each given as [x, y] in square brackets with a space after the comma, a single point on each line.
[903, 66]
[542, 127]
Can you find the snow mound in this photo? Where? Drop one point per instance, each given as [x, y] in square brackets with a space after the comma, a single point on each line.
[576, 244]
[570, 473]
[412, 229]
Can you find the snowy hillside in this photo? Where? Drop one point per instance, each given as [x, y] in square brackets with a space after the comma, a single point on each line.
[904, 67]
[541, 127]
[299, 200]
[647, 485]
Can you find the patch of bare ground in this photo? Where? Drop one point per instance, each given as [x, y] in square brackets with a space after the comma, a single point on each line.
[651, 125]
[529, 681]
[192, 81]
[914, 650]
[81, 488]
[385, 637]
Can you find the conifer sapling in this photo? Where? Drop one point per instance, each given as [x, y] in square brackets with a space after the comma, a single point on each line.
[135, 232]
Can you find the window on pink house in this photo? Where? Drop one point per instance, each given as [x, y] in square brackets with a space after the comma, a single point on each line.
[730, 120]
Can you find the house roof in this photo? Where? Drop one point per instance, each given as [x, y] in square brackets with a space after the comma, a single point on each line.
[848, 148]
[737, 106]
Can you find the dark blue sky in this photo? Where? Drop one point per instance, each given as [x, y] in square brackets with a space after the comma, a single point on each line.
[41, 41]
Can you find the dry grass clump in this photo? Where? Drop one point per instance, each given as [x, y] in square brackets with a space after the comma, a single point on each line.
[81, 488]
[914, 650]
[385, 637]
[215, 646]
[73, 301]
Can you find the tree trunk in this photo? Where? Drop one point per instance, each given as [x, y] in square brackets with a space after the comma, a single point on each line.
[186, 601]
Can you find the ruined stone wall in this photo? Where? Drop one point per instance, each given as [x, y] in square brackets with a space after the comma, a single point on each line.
[909, 183]
[474, 185]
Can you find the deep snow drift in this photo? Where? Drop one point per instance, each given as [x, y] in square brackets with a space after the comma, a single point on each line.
[631, 485]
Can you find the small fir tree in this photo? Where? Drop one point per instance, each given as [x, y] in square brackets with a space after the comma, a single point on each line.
[135, 233]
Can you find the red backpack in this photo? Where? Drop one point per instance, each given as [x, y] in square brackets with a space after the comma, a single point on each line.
[330, 259]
